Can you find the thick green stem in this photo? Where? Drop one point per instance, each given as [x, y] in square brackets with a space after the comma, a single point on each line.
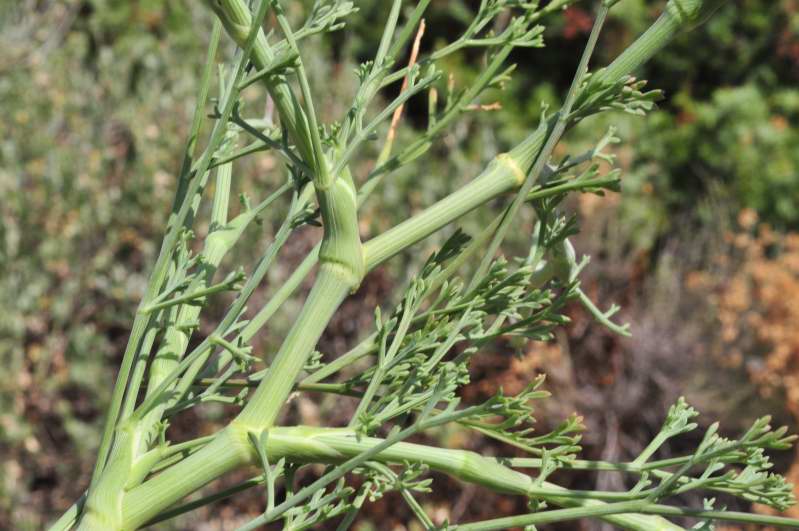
[340, 271]
[678, 16]
[176, 339]
[134, 436]
[367, 346]
[332, 285]
[237, 20]
[341, 242]
[229, 450]
[503, 174]
[333, 445]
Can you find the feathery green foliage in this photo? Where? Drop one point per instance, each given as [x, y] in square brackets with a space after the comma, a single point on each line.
[408, 372]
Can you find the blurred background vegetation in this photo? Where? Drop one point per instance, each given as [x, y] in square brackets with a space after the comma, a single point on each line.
[701, 249]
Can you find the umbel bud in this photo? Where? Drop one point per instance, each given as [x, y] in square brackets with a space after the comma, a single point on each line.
[692, 13]
[561, 264]
[235, 16]
[678, 16]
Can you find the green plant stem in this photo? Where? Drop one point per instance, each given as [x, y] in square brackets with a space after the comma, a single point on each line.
[571, 186]
[341, 242]
[630, 468]
[361, 350]
[301, 272]
[180, 209]
[558, 515]
[205, 500]
[322, 177]
[334, 388]
[103, 508]
[503, 174]
[238, 22]
[296, 278]
[331, 287]
[186, 199]
[678, 16]
[605, 466]
[137, 377]
[729, 516]
[176, 338]
[135, 432]
[196, 296]
[67, 520]
[305, 444]
[156, 398]
[543, 156]
[331, 445]
[334, 445]
[641, 507]
[367, 345]
[231, 448]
